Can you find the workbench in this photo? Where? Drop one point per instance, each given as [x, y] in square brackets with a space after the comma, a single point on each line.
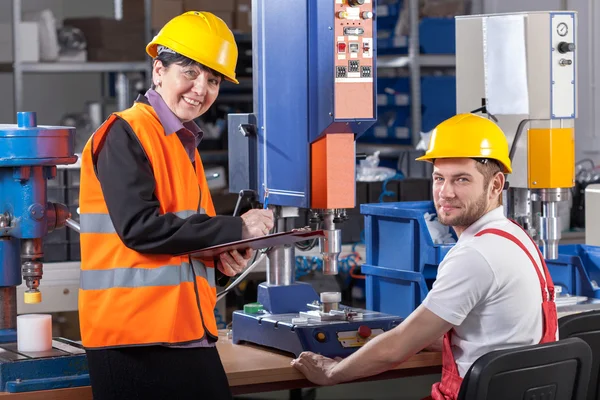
[253, 369]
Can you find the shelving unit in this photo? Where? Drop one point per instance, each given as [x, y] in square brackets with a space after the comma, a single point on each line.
[19, 68]
[414, 61]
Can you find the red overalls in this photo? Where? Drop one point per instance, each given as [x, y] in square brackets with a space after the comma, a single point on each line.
[449, 387]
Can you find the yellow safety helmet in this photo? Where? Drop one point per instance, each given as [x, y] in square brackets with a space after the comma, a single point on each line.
[202, 37]
[468, 136]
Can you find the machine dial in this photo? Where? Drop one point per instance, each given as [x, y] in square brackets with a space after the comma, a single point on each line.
[366, 15]
[564, 47]
[562, 29]
[356, 3]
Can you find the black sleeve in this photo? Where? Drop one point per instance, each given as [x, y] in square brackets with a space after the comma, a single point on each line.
[128, 185]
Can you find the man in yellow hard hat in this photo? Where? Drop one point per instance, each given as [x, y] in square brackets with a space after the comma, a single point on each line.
[492, 290]
[147, 312]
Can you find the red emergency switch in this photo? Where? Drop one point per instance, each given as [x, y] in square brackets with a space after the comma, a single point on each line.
[364, 331]
[341, 47]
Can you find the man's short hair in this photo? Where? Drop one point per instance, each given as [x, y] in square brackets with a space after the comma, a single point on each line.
[488, 167]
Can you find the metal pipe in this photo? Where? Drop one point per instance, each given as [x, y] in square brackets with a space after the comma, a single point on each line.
[331, 244]
[17, 70]
[73, 225]
[549, 231]
[123, 94]
[415, 71]
[281, 263]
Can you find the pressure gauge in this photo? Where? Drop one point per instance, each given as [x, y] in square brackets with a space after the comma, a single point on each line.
[562, 29]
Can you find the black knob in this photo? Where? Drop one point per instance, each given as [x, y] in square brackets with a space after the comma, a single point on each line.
[564, 47]
[354, 3]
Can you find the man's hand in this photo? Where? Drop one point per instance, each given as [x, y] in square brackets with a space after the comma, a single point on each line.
[379, 354]
[316, 368]
[256, 223]
[232, 263]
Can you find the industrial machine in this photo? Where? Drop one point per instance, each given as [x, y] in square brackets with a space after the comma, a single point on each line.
[314, 94]
[520, 69]
[29, 155]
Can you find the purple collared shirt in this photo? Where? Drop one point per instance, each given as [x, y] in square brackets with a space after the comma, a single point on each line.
[189, 133]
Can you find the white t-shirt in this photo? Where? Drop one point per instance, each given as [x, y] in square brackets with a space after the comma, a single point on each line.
[487, 288]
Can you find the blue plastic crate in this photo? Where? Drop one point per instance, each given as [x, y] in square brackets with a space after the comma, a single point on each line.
[437, 36]
[577, 270]
[438, 94]
[392, 127]
[401, 258]
[393, 92]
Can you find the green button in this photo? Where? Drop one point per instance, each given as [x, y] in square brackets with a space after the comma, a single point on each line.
[253, 308]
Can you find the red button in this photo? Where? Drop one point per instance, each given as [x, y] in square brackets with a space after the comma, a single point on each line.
[341, 47]
[364, 331]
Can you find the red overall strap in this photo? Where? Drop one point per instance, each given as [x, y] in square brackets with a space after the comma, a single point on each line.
[522, 246]
[549, 315]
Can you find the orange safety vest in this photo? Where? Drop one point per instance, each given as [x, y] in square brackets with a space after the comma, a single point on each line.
[130, 298]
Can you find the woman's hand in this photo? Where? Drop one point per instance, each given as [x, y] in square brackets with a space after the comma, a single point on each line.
[232, 263]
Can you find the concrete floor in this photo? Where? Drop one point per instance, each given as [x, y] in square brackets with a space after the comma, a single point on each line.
[414, 388]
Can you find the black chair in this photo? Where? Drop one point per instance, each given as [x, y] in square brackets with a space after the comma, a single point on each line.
[552, 371]
[586, 326]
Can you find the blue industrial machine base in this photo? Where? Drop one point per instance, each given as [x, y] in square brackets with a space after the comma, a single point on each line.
[329, 338]
[64, 366]
[286, 299]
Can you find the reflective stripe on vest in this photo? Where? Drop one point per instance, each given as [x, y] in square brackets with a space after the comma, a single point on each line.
[167, 275]
[101, 223]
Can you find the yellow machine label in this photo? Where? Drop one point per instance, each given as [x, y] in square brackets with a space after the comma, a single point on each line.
[551, 158]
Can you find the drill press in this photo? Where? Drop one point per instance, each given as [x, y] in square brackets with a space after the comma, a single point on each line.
[314, 94]
[29, 155]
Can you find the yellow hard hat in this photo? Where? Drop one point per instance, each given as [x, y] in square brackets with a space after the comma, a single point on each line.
[468, 136]
[202, 37]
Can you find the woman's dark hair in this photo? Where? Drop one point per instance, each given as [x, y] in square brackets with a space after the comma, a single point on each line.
[167, 58]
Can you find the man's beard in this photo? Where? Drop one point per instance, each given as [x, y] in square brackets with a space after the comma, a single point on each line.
[467, 217]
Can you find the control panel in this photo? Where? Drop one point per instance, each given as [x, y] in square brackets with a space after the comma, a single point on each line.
[353, 57]
[359, 337]
[563, 67]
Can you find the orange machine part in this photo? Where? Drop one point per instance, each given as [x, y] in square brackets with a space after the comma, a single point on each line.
[332, 171]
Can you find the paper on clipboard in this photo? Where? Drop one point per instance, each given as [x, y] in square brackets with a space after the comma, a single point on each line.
[276, 239]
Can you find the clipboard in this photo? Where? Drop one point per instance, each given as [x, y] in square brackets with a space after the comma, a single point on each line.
[276, 239]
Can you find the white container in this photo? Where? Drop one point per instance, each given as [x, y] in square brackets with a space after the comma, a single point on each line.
[34, 332]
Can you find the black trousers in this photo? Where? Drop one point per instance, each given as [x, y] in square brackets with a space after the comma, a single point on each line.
[157, 372]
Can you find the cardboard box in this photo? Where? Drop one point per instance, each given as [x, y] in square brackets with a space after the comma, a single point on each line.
[162, 11]
[243, 16]
[111, 40]
[209, 5]
[165, 10]
[227, 16]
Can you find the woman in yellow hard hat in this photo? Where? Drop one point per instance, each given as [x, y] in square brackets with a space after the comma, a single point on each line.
[146, 311]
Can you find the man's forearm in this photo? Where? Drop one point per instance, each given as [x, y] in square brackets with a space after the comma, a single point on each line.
[437, 345]
[388, 350]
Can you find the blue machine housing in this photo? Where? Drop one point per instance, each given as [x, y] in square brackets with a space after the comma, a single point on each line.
[280, 332]
[294, 97]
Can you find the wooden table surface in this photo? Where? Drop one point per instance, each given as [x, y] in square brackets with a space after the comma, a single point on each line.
[253, 369]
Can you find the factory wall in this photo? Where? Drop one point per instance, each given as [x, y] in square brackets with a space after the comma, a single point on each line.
[54, 95]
